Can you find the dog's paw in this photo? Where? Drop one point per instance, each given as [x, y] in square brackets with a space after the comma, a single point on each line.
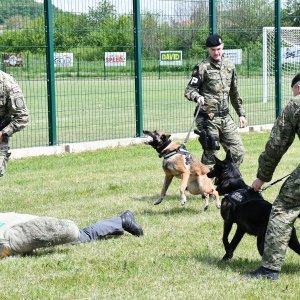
[218, 206]
[183, 202]
[206, 207]
[158, 201]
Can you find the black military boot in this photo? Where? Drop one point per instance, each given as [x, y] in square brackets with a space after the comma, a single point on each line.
[263, 272]
[129, 224]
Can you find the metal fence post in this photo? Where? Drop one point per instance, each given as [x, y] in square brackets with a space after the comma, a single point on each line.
[138, 67]
[50, 72]
[212, 17]
[277, 58]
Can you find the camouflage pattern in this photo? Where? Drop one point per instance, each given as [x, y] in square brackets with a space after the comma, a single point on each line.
[285, 211]
[12, 106]
[217, 83]
[283, 133]
[286, 207]
[229, 136]
[22, 233]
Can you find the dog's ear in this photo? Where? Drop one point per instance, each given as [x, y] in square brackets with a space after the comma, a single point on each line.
[211, 174]
[217, 160]
[229, 156]
[166, 137]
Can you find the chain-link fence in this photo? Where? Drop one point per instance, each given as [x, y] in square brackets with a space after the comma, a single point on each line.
[95, 56]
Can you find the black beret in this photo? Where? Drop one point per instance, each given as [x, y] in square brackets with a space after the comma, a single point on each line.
[295, 79]
[213, 40]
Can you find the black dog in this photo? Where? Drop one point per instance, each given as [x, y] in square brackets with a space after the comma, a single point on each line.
[243, 206]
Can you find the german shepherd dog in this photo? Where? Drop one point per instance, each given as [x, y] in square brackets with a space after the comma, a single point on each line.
[178, 162]
[243, 206]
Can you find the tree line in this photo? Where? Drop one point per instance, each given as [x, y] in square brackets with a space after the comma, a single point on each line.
[102, 29]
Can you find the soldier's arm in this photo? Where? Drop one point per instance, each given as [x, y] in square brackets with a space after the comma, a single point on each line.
[281, 137]
[16, 107]
[192, 90]
[234, 95]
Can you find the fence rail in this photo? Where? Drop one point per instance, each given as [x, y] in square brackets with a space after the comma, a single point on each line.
[98, 91]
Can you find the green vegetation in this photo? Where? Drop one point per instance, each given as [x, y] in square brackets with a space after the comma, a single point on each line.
[102, 28]
[179, 256]
[96, 109]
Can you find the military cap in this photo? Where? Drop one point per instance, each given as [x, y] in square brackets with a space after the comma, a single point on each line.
[295, 79]
[213, 40]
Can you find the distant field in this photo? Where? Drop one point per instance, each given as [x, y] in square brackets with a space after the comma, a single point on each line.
[97, 109]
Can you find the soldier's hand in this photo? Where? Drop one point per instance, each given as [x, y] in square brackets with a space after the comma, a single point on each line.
[257, 184]
[200, 100]
[243, 122]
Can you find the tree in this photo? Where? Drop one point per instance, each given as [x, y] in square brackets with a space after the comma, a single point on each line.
[23, 8]
[291, 14]
[245, 19]
[151, 35]
[103, 11]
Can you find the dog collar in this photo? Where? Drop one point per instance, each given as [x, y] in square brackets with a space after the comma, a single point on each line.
[160, 149]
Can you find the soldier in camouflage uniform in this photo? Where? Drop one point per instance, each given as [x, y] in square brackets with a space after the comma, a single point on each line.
[286, 207]
[13, 115]
[213, 83]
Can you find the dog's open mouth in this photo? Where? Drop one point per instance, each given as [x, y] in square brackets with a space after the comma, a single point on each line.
[150, 136]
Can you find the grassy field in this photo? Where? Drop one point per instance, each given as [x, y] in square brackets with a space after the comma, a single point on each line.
[97, 109]
[179, 255]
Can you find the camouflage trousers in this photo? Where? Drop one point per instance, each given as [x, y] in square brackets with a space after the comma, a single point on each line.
[4, 156]
[229, 137]
[285, 210]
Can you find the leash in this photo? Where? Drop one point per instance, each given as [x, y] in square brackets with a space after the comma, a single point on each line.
[263, 189]
[188, 135]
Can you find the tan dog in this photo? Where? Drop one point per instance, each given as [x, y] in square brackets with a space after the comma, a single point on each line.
[178, 162]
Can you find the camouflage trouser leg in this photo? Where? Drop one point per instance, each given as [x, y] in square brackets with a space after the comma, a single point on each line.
[229, 137]
[285, 210]
[4, 156]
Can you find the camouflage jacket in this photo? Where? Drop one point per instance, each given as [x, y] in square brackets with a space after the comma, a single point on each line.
[283, 133]
[12, 105]
[216, 83]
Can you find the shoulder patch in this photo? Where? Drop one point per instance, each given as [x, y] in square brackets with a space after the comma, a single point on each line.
[19, 103]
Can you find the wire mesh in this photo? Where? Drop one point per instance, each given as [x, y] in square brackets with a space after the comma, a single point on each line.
[94, 62]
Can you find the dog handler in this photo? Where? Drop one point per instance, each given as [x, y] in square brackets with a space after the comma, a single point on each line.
[13, 115]
[23, 233]
[286, 207]
[213, 82]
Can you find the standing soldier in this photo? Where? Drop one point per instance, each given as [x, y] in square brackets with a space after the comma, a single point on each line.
[286, 207]
[213, 82]
[13, 115]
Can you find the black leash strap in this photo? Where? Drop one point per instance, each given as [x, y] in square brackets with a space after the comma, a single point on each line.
[188, 135]
[263, 189]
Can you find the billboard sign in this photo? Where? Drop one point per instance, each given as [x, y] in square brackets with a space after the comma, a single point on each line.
[170, 58]
[63, 60]
[115, 59]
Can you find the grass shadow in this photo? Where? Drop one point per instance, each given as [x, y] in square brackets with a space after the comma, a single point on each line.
[241, 265]
[171, 211]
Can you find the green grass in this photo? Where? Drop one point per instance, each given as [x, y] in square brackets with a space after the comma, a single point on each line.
[179, 256]
[96, 109]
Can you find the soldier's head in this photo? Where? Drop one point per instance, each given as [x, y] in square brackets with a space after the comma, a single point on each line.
[214, 44]
[296, 85]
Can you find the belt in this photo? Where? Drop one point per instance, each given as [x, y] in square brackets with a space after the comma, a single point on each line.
[217, 113]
